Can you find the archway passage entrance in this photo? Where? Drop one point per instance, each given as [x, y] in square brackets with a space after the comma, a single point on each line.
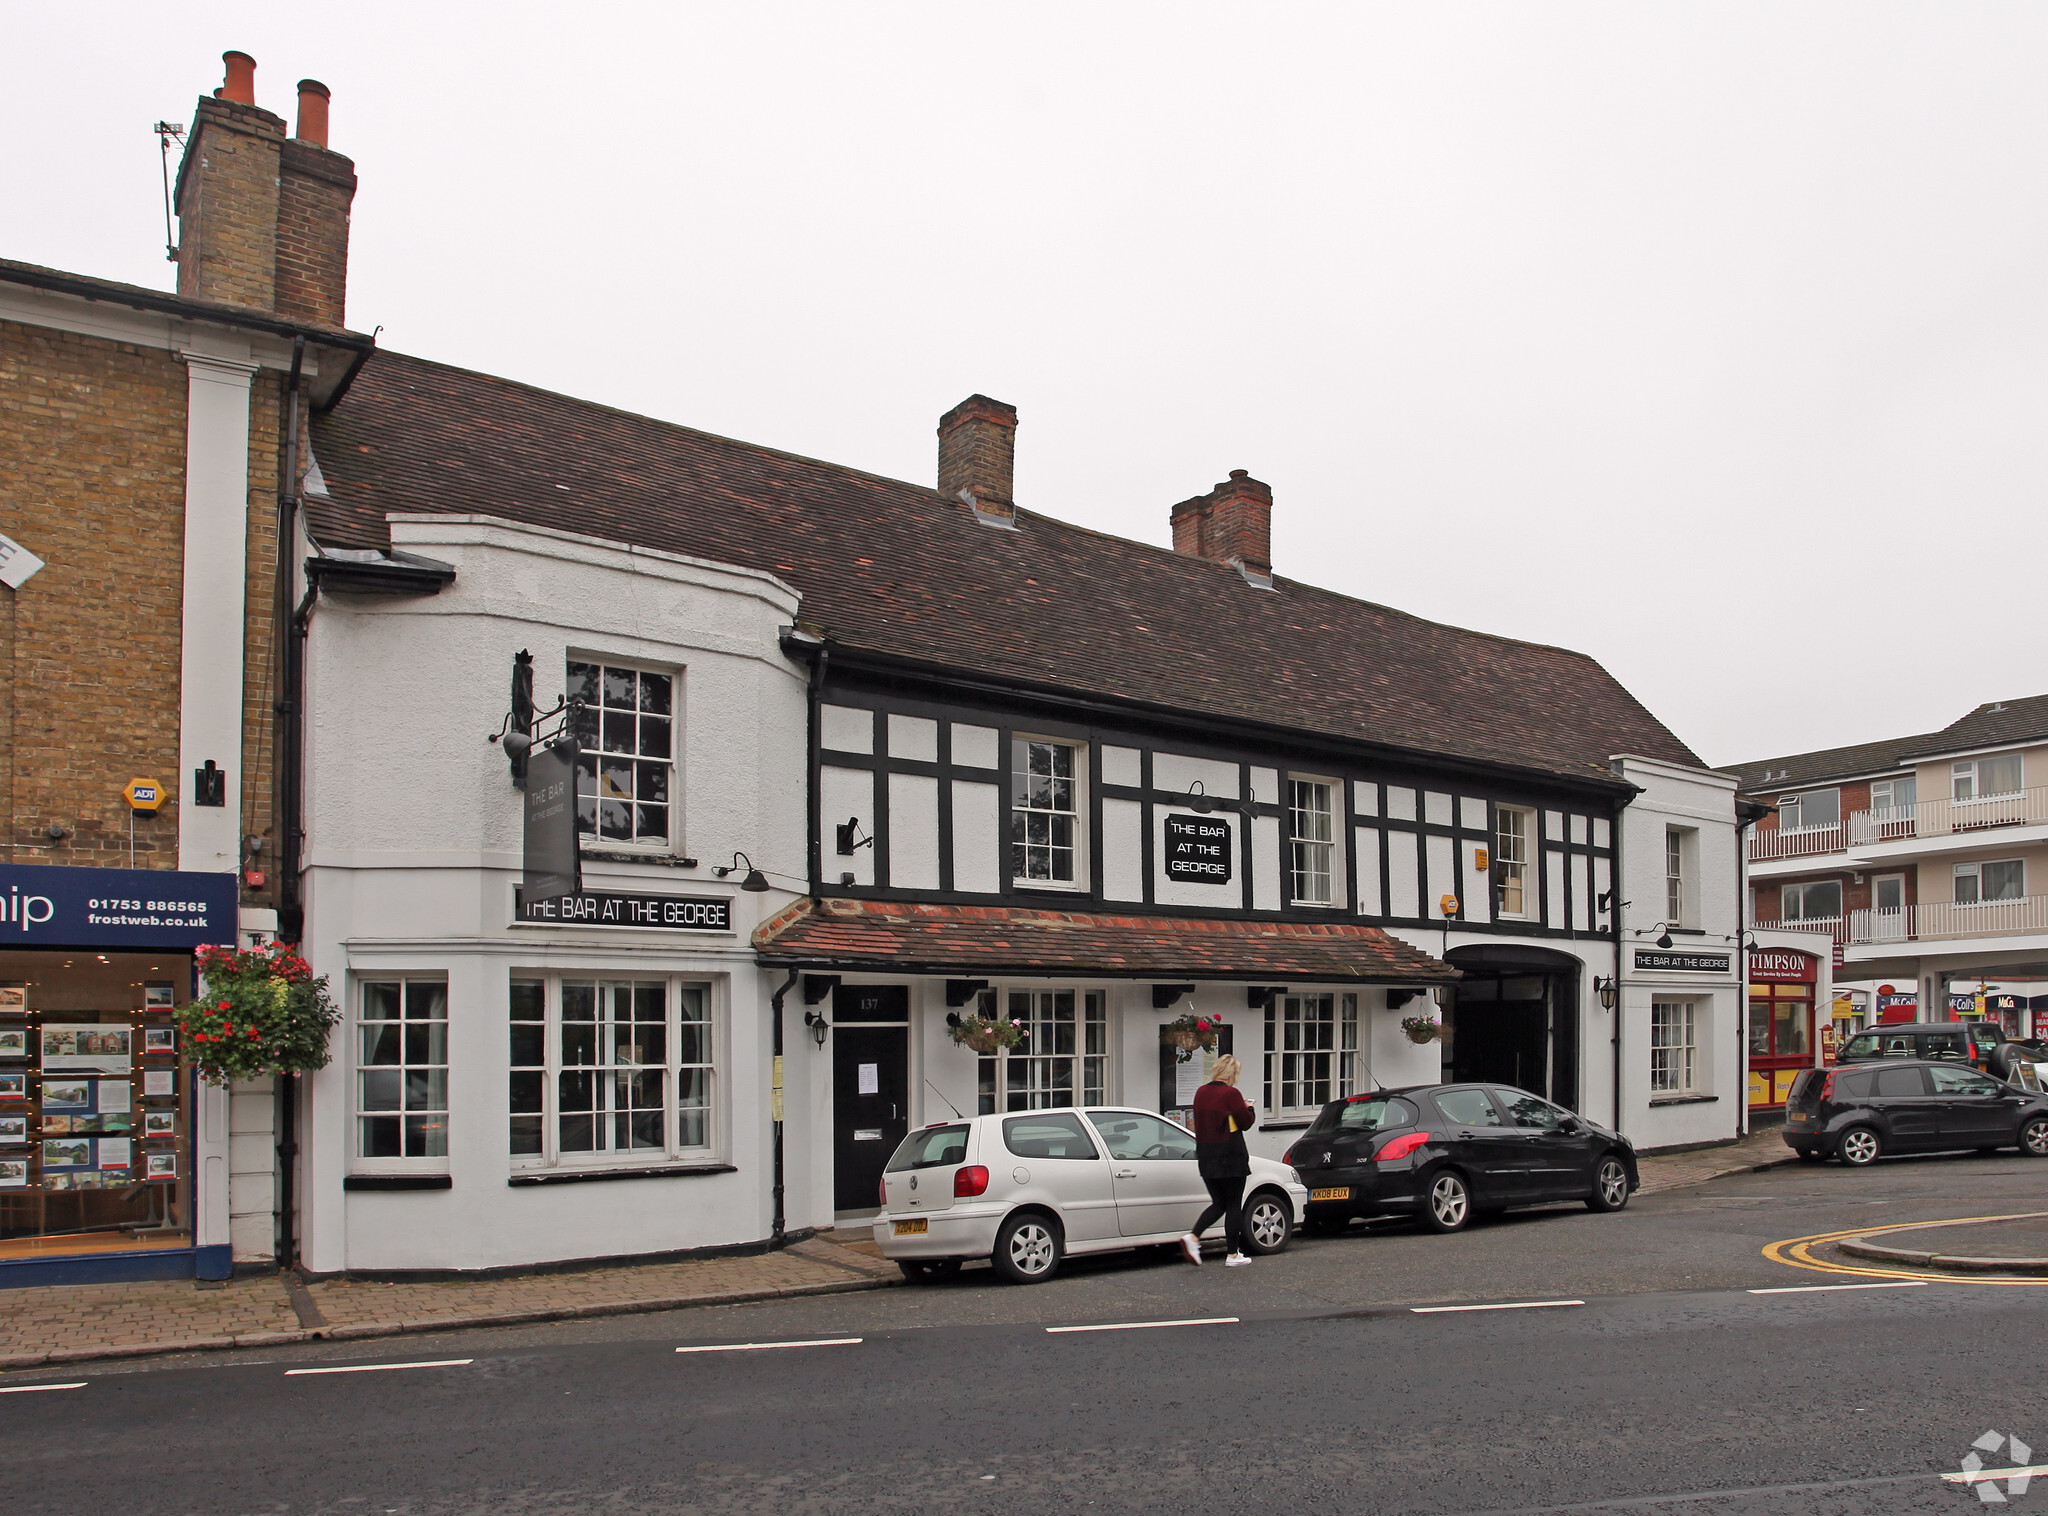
[1515, 1020]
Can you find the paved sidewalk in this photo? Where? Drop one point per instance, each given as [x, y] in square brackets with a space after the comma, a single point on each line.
[1670, 1171]
[71, 1323]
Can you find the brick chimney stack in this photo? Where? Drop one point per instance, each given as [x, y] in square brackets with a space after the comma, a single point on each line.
[1233, 523]
[978, 454]
[263, 218]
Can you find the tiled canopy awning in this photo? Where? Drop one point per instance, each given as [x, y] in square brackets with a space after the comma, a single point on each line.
[894, 936]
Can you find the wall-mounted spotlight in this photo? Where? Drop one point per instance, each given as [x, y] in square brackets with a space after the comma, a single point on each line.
[1200, 801]
[1663, 934]
[1608, 991]
[850, 839]
[754, 883]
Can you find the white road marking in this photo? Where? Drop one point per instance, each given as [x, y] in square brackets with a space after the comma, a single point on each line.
[29, 1389]
[374, 1368]
[1816, 1289]
[1512, 1305]
[755, 1347]
[2034, 1471]
[1139, 1326]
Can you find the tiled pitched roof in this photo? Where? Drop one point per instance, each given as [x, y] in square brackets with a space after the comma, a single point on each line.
[1829, 763]
[1991, 725]
[900, 570]
[982, 940]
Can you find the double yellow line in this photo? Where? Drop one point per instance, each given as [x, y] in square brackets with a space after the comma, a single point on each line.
[1797, 1252]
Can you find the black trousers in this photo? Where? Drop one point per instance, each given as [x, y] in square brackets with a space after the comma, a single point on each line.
[1226, 1199]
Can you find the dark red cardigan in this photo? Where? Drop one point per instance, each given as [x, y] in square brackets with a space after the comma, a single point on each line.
[1216, 1105]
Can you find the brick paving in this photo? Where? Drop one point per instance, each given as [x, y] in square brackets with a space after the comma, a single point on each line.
[76, 1322]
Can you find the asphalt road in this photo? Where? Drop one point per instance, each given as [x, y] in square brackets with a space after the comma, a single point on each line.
[1673, 1387]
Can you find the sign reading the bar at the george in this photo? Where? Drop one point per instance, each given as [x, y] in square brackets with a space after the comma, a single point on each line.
[1691, 963]
[674, 913]
[1198, 849]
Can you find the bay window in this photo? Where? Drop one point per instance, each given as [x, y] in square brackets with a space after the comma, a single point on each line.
[625, 738]
[402, 1069]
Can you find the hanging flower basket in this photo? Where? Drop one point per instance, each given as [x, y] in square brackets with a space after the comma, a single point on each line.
[1425, 1029]
[1186, 1033]
[260, 1012]
[984, 1034]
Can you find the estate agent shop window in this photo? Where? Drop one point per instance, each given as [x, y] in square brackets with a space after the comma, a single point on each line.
[609, 1072]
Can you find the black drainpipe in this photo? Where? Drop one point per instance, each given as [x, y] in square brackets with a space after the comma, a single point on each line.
[814, 821]
[287, 1094]
[777, 1227]
[1614, 918]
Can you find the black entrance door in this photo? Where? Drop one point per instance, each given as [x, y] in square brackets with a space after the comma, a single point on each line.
[870, 1089]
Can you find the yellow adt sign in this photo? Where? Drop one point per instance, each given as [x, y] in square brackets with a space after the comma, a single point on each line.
[143, 795]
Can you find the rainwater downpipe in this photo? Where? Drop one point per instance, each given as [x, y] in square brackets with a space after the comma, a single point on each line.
[1742, 930]
[777, 1228]
[287, 1094]
[1620, 990]
[814, 820]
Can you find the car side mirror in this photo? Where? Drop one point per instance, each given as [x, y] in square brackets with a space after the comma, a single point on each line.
[1571, 1126]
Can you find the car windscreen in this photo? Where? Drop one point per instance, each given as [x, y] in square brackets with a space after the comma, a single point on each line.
[1869, 1045]
[1363, 1113]
[932, 1148]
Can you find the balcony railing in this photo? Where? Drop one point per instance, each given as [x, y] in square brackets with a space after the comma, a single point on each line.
[1943, 818]
[1785, 842]
[1834, 926]
[1945, 920]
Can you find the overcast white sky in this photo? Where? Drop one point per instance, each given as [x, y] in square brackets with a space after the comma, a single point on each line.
[1706, 339]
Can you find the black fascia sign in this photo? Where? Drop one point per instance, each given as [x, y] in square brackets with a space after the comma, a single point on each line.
[1688, 963]
[1198, 849]
[554, 861]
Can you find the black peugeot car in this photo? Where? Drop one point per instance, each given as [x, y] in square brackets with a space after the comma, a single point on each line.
[1859, 1111]
[1444, 1153]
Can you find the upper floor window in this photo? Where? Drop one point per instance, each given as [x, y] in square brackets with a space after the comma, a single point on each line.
[1819, 901]
[1311, 841]
[1817, 808]
[626, 739]
[1045, 816]
[1982, 777]
[1681, 898]
[1981, 883]
[1511, 859]
[1892, 797]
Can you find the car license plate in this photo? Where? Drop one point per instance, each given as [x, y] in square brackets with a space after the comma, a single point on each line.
[912, 1228]
[1343, 1192]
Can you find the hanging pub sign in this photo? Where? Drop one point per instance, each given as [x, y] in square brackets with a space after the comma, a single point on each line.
[1779, 966]
[554, 859]
[1689, 963]
[1198, 849]
[674, 913]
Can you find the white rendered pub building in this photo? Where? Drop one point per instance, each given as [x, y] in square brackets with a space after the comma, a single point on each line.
[855, 757]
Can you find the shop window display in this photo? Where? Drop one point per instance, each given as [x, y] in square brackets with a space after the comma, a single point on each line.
[94, 1128]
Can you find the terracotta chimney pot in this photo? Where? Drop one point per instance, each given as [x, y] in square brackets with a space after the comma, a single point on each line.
[241, 85]
[313, 97]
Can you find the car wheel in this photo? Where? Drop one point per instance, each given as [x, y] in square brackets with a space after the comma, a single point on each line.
[1859, 1147]
[1267, 1224]
[2034, 1137]
[1610, 1185]
[1448, 1205]
[1028, 1249]
[928, 1271]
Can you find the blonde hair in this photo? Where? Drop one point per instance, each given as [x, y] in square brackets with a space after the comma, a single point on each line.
[1227, 1069]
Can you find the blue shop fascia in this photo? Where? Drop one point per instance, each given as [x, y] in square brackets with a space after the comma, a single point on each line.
[113, 1162]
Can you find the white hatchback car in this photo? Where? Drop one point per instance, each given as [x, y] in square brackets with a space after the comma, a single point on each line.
[1025, 1189]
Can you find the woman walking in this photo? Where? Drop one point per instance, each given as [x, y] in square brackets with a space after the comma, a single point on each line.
[1222, 1117]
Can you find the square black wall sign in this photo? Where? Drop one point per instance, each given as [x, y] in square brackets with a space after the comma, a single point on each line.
[1199, 849]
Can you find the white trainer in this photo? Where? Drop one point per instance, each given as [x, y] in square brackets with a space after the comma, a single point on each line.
[1236, 1261]
[1191, 1245]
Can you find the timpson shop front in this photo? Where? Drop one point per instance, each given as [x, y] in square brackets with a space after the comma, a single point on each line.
[1791, 1022]
[113, 1161]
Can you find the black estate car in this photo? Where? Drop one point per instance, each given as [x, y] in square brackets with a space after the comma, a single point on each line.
[1857, 1111]
[1445, 1152]
[1977, 1042]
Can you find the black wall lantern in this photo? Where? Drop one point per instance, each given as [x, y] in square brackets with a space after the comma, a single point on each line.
[1608, 991]
[819, 1026]
[754, 883]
